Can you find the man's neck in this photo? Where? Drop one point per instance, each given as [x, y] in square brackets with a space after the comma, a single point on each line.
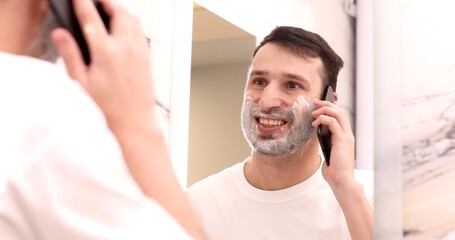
[280, 172]
[9, 39]
[18, 28]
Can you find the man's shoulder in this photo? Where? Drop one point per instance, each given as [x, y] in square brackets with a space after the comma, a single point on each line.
[214, 181]
[17, 68]
[41, 106]
[43, 93]
[33, 76]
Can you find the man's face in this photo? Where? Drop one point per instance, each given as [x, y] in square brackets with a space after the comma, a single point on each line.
[276, 113]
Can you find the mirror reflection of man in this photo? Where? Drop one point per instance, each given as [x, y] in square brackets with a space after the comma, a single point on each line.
[284, 190]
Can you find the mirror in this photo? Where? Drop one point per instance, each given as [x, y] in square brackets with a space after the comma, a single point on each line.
[209, 28]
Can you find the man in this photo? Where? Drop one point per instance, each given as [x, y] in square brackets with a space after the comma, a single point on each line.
[62, 172]
[284, 190]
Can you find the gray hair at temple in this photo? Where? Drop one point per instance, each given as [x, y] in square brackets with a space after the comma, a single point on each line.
[42, 46]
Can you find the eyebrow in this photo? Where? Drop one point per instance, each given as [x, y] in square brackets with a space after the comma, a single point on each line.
[297, 78]
[258, 73]
[303, 80]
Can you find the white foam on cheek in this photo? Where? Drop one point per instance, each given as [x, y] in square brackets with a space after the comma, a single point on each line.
[248, 98]
[300, 106]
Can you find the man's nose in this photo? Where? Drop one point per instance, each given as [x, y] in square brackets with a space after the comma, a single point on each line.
[272, 98]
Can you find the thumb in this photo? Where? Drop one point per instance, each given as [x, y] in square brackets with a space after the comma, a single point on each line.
[71, 55]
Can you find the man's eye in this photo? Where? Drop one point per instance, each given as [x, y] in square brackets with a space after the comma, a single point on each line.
[293, 85]
[260, 82]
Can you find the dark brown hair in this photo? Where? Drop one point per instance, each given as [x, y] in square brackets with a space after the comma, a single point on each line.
[307, 44]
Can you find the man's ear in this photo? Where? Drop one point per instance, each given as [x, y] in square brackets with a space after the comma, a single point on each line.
[43, 5]
[42, 8]
[335, 94]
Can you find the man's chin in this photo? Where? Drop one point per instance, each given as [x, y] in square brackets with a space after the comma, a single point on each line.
[270, 147]
[264, 137]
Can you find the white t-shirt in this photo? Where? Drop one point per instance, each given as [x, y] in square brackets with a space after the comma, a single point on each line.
[62, 175]
[230, 208]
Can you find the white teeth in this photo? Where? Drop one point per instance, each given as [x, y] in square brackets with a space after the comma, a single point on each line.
[271, 122]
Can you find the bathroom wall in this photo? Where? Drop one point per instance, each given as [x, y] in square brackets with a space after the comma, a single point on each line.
[215, 138]
[221, 54]
[428, 119]
[414, 134]
[168, 24]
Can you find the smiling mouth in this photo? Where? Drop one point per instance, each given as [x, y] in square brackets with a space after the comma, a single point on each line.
[270, 122]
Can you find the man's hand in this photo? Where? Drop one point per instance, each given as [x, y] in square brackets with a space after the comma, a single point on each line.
[340, 174]
[119, 77]
[342, 156]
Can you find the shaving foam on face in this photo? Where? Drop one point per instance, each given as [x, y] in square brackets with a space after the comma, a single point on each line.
[248, 98]
[296, 132]
[300, 106]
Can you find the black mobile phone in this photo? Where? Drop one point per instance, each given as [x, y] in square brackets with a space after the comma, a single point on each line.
[324, 134]
[64, 14]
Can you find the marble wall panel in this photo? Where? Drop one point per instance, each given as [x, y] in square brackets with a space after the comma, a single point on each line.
[428, 120]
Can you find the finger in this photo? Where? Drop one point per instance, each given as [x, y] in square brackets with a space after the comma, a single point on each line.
[91, 24]
[320, 103]
[69, 51]
[331, 122]
[111, 7]
[129, 26]
[338, 114]
[332, 110]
